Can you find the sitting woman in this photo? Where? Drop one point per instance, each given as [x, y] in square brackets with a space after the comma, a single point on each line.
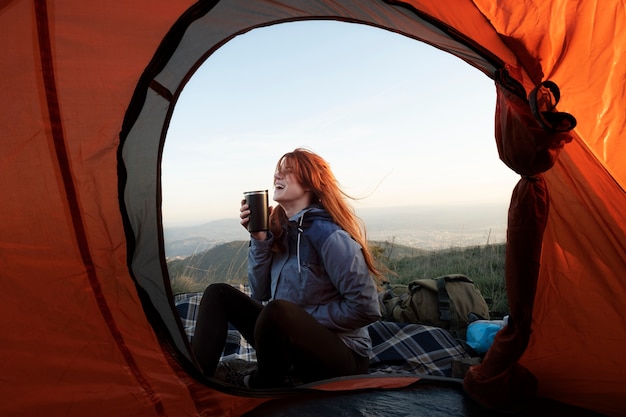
[316, 271]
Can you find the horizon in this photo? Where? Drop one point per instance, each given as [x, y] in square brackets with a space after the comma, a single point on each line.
[424, 227]
[371, 211]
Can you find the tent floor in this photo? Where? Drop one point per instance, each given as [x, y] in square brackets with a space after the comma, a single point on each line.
[432, 399]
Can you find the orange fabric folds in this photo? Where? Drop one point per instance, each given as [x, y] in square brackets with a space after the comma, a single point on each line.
[529, 136]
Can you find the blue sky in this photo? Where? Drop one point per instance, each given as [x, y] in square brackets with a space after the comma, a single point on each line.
[400, 122]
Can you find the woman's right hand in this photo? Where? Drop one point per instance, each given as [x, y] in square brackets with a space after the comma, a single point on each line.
[244, 215]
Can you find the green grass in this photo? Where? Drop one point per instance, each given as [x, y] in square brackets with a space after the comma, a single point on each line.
[483, 264]
[224, 263]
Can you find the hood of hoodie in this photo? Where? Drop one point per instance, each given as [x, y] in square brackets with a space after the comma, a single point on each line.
[309, 214]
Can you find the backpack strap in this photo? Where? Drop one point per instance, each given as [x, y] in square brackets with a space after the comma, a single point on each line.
[447, 311]
[389, 300]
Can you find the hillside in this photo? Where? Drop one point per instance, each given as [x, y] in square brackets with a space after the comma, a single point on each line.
[227, 262]
[484, 264]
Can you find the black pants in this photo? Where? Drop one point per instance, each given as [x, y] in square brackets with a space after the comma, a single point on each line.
[287, 340]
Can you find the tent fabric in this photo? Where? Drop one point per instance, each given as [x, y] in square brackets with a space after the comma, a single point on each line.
[529, 141]
[89, 87]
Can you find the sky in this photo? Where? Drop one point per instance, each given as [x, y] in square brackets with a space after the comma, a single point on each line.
[400, 122]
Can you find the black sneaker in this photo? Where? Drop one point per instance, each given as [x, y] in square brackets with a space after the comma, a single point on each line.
[235, 372]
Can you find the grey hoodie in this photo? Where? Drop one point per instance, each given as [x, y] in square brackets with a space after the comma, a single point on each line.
[323, 271]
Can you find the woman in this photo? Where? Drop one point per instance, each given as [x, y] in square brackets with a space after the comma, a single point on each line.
[314, 268]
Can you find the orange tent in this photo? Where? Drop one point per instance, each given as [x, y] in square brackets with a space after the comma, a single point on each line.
[88, 323]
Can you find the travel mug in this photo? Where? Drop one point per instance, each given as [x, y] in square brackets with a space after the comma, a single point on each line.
[259, 211]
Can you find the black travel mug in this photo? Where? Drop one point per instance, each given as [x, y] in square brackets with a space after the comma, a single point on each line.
[258, 203]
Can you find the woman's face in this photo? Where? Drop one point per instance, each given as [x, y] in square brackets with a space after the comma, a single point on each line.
[288, 192]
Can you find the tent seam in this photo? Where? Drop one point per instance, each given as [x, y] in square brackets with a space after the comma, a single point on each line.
[62, 157]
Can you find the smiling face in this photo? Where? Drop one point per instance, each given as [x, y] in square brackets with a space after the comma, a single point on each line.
[289, 193]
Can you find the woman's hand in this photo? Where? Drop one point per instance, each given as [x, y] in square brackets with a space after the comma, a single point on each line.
[244, 214]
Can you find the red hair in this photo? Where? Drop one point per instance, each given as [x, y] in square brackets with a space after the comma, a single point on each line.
[314, 174]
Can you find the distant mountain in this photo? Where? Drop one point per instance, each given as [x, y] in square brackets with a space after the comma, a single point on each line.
[186, 247]
[437, 227]
[425, 227]
[186, 241]
[223, 230]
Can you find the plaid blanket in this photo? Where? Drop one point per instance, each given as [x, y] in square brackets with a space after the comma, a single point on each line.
[396, 347]
[407, 347]
[236, 346]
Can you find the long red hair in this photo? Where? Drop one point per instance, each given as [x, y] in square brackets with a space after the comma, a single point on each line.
[314, 173]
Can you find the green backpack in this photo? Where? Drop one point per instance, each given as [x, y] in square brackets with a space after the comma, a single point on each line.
[444, 302]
